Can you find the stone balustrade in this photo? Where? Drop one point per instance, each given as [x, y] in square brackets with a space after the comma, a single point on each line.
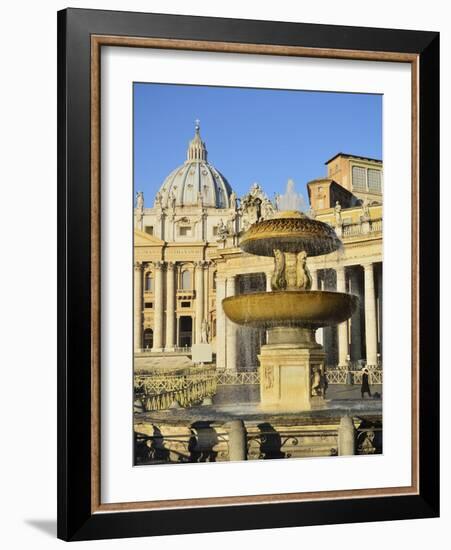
[361, 228]
[154, 392]
[238, 440]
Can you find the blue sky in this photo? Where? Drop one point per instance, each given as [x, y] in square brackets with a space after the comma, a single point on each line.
[252, 135]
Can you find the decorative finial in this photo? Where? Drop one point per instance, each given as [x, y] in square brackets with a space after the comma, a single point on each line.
[197, 122]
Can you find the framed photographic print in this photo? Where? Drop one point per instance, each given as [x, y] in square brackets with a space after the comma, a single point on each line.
[248, 269]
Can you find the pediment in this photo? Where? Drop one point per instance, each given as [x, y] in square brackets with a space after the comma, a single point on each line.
[144, 239]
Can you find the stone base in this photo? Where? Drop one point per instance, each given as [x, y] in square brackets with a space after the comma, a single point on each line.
[287, 376]
[201, 353]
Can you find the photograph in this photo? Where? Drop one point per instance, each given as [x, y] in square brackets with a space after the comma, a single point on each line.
[257, 274]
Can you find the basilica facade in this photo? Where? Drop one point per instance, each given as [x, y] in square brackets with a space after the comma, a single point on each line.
[187, 260]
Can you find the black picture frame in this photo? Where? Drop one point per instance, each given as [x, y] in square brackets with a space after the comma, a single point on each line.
[76, 520]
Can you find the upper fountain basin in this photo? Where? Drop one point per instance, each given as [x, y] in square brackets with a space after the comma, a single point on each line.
[310, 309]
[290, 231]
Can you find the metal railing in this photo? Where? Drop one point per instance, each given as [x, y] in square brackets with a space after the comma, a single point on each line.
[353, 376]
[226, 378]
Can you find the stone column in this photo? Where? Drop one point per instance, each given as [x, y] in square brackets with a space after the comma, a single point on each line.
[380, 331]
[342, 327]
[199, 300]
[158, 305]
[268, 282]
[356, 331]
[237, 440]
[220, 323]
[170, 307]
[370, 316]
[314, 275]
[138, 308]
[346, 437]
[320, 331]
[231, 330]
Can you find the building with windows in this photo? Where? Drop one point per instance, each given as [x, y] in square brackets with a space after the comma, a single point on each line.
[187, 260]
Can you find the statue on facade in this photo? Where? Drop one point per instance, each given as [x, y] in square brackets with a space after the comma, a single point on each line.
[256, 190]
[267, 209]
[140, 200]
[223, 232]
[205, 332]
[365, 210]
[338, 219]
[233, 200]
[158, 200]
[172, 200]
[139, 208]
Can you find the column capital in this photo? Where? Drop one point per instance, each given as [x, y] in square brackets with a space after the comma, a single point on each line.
[170, 266]
[367, 266]
[159, 265]
[138, 266]
[200, 264]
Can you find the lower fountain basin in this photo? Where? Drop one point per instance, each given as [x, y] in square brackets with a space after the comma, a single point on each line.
[306, 308]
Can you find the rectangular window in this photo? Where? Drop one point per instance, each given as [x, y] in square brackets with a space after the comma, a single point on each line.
[359, 178]
[185, 304]
[148, 305]
[185, 231]
[374, 180]
[149, 229]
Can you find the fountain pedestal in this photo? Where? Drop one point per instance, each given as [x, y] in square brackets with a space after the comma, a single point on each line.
[287, 371]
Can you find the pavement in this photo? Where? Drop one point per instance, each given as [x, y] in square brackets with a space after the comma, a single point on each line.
[348, 391]
[242, 402]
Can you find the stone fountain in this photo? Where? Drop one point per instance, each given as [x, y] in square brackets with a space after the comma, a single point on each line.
[291, 362]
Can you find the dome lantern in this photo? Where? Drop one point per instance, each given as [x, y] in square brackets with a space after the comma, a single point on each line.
[196, 150]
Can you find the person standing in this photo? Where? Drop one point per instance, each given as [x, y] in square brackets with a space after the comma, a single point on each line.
[365, 384]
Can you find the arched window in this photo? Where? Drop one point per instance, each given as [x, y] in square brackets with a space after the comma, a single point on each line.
[214, 280]
[186, 280]
[148, 284]
[148, 338]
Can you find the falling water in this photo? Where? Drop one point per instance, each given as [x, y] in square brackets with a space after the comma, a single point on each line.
[290, 200]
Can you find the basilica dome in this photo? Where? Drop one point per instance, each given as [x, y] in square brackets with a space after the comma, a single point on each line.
[196, 181]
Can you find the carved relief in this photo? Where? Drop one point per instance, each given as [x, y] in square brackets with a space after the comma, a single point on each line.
[303, 277]
[278, 281]
[316, 385]
[290, 271]
[268, 378]
[255, 206]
